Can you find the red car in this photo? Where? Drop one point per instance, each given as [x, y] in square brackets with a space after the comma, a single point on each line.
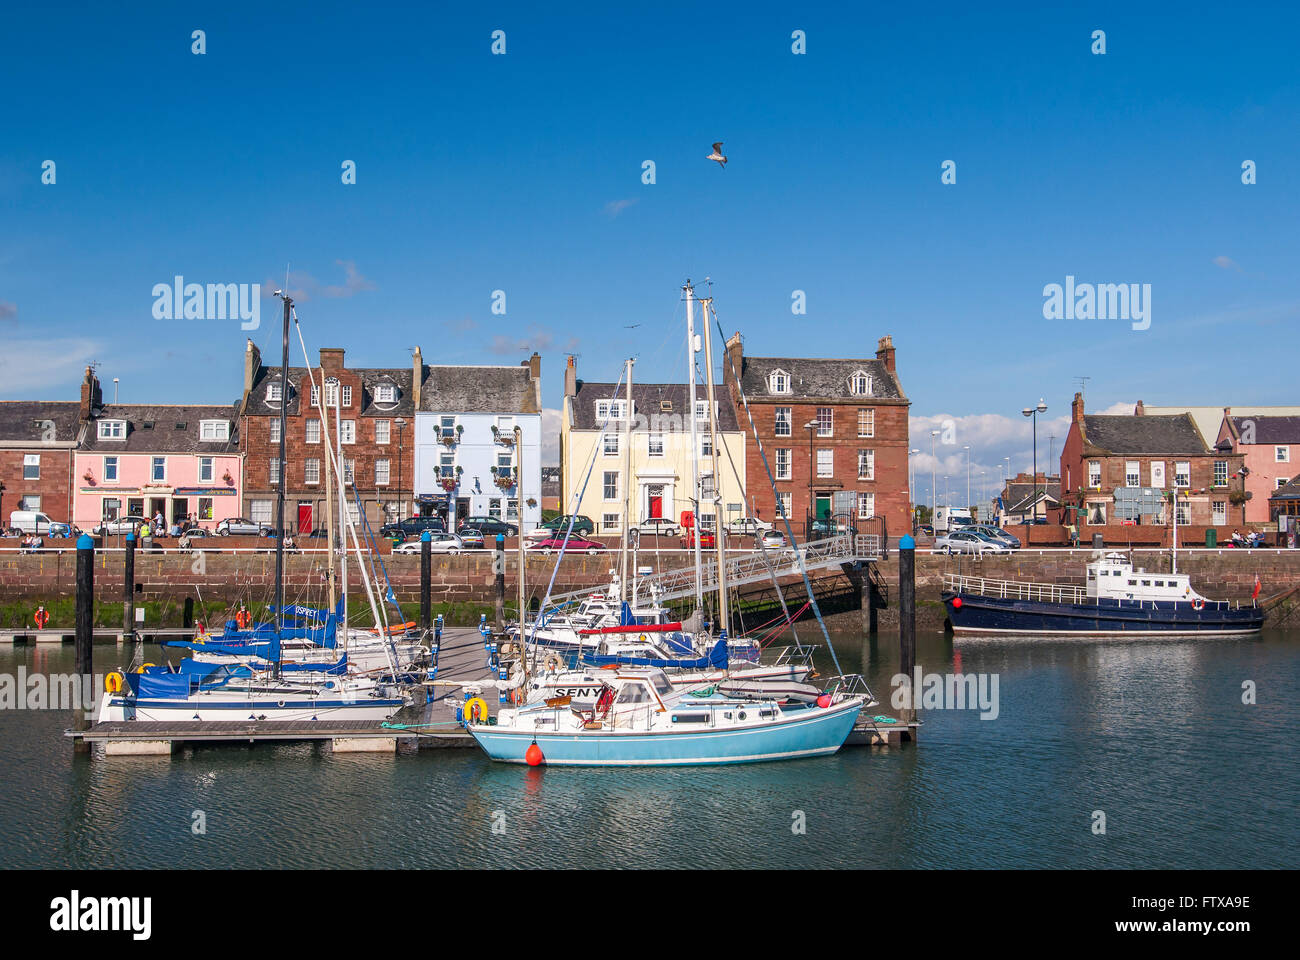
[707, 542]
[577, 544]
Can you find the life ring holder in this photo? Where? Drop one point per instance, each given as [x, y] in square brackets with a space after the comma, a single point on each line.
[553, 663]
[113, 682]
[475, 710]
[42, 617]
[1198, 604]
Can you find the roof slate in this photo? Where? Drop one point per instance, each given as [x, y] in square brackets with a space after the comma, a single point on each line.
[646, 399]
[164, 436]
[28, 420]
[818, 379]
[1144, 434]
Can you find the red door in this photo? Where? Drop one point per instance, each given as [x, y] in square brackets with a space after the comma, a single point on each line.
[656, 507]
[304, 518]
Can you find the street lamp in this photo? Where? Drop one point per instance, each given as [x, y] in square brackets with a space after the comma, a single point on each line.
[1034, 412]
[933, 495]
[811, 470]
[967, 449]
[911, 484]
[401, 426]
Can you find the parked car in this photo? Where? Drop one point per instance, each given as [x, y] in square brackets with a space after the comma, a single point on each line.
[997, 533]
[488, 526]
[747, 527]
[657, 527]
[581, 524]
[242, 527]
[925, 529]
[188, 538]
[471, 538]
[576, 545]
[120, 526]
[966, 541]
[438, 543]
[412, 527]
[770, 538]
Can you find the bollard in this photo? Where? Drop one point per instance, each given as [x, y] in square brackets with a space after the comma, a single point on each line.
[907, 618]
[85, 667]
[128, 588]
[426, 576]
[499, 560]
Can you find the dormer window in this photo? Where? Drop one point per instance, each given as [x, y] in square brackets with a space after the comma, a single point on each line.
[112, 429]
[214, 430]
[860, 384]
[386, 393]
[611, 409]
[273, 392]
[778, 382]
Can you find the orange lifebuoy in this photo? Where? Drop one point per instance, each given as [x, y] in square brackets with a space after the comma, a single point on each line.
[42, 617]
[243, 618]
[1198, 604]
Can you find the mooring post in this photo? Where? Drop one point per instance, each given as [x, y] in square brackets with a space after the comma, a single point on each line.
[426, 576]
[907, 619]
[85, 667]
[128, 588]
[499, 564]
[867, 598]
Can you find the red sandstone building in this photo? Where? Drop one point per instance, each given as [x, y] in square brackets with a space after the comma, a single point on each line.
[835, 433]
[37, 438]
[1119, 470]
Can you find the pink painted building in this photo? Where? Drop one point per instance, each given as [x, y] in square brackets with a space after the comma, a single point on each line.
[1271, 447]
[181, 461]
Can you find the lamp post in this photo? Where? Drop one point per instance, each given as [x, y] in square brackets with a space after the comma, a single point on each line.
[1034, 412]
[933, 461]
[811, 470]
[911, 485]
[401, 426]
[967, 449]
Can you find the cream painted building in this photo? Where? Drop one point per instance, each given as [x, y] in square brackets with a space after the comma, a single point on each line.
[660, 475]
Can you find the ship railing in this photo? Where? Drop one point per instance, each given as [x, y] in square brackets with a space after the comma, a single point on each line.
[1015, 589]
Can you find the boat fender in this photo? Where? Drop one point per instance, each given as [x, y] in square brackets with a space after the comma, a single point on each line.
[113, 682]
[533, 755]
[956, 603]
[475, 710]
[824, 701]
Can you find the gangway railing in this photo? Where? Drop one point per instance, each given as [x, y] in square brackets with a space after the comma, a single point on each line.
[1015, 589]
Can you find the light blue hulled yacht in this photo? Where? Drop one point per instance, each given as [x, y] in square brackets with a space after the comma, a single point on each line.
[640, 719]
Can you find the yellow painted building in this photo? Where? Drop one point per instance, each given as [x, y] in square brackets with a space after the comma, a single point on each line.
[660, 439]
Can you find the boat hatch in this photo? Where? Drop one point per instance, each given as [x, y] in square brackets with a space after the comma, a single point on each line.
[691, 717]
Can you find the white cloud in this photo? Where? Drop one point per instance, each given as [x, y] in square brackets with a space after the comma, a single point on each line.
[615, 207]
[39, 367]
[1226, 263]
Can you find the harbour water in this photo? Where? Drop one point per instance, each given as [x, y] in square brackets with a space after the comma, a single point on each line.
[1154, 735]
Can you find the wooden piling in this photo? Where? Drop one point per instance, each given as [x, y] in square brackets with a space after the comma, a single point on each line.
[85, 606]
[128, 588]
[907, 618]
[499, 565]
[426, 579]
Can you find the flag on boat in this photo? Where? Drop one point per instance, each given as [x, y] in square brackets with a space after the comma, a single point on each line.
[1254, 594]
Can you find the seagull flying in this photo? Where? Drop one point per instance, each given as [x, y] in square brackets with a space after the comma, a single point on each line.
[717, 155]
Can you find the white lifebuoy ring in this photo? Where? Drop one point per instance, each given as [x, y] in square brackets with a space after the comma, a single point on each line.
[1198, 604]
[553, 663]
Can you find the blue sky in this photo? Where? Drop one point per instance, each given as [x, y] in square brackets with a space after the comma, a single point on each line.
[522, 173]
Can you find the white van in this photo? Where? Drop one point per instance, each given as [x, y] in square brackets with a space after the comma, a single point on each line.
[32, 521]
[948, 519]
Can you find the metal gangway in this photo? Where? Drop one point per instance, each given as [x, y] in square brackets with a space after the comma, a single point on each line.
[751, 567]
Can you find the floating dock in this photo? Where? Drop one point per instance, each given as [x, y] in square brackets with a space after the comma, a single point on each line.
[462, 664]
[106, 635]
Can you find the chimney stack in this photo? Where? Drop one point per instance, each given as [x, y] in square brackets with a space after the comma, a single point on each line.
[90, 395]
[534, 365]
[331, 359]
[1076, 409]
[417, 377]
[252, 363]
[571, 377]
[885, 352]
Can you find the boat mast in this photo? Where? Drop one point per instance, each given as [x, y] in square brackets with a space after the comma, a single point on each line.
[279, 493]
[344, 523]
[718, 538]
[329, 522]
[692, 347]
[519, 539]
[627, 483]
[1174, 565]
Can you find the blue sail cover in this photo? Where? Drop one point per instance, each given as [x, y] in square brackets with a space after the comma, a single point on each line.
[717, 657]
[158, 683]
[299, 612]
[625, 618]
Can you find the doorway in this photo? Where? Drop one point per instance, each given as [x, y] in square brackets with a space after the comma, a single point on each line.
[304, 518]
[823, 510]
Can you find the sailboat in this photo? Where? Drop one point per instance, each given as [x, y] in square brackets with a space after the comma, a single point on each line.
[639, 717]
[244, 674]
